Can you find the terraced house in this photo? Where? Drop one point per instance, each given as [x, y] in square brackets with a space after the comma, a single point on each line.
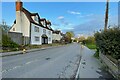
[35, 30]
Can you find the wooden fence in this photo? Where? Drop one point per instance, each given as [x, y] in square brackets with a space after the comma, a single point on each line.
[113, 68]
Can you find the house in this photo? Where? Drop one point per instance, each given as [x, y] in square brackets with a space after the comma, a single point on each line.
[35, 30]
[56, 36]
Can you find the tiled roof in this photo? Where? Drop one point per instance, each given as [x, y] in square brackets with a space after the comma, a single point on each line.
[57, 31]
[29, 16]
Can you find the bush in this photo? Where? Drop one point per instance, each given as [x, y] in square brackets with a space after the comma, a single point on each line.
[96, 53]
[7, 42]
[109, 42]
[90, 40]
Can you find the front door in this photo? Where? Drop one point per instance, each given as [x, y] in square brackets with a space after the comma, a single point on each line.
[44, 40]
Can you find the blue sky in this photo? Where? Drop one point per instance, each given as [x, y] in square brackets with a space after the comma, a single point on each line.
[84, 18]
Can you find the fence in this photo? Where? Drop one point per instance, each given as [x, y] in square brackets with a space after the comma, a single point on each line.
[113, 68]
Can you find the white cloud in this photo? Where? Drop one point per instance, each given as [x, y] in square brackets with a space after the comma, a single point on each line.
[80, 35]
[73, 12]
[61, 17]
[88, 15]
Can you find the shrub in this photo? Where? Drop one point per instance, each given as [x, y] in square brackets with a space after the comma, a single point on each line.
[96, 53]
[7, 42]
[109, 42]
[90, 40]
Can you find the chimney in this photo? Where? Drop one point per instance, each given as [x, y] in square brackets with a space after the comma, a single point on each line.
[18, 16]
[18, 5]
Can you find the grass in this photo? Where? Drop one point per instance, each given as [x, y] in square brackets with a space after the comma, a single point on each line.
[91, 46]
[27, 47]
[96, 55]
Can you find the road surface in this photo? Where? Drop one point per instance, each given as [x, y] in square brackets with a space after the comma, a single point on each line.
[60, 62]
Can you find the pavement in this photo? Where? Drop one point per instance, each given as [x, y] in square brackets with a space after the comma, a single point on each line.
[90, 67]
[60, 62]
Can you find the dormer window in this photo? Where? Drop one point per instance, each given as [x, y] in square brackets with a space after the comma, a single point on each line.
[36, 18]
[43, 23]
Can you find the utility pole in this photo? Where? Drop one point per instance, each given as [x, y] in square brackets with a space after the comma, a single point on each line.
[106, 16]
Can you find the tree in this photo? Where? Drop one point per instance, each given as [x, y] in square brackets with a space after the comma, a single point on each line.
[82, 38]
[69, 35]
[90, 39]
[5, 40]
[106, 15]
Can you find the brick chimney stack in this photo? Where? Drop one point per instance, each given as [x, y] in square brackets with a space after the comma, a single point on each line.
[18, 5]
[19, 16]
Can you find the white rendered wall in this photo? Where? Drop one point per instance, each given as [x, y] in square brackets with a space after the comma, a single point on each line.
[22, 24]
[39, 34]
[56, 36]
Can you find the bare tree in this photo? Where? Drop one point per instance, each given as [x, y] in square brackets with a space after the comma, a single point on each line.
[106, 15]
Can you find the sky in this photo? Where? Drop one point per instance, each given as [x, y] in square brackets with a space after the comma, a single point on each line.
[83, 18]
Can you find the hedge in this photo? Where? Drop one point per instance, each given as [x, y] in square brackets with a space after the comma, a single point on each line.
[7, 42]
[108, 42]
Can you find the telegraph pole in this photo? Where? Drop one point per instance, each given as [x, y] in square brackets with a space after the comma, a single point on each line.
[106, 16]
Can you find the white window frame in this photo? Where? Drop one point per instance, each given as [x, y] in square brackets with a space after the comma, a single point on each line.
[44, 31]
[49, 32]
[36, 29]
[37, 38]
[36, 18]
[49, 38]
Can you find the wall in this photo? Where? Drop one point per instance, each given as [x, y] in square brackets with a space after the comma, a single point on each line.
[16, 37]
[39, 34]
[112, 67]
[56, 36]
[49, 36]
[22, 24]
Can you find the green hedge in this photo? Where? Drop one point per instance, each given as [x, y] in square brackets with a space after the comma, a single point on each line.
[7, 42]
[108, 42]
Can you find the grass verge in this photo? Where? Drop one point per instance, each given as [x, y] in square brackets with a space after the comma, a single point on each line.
[91, 46]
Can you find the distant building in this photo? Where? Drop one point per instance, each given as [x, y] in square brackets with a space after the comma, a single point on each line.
[56, 36]
[35, 30]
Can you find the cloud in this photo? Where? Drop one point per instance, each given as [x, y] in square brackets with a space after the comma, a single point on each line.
[92, 25]
[74, 12]
[63, 21]
[81, 34]
[61, 17]
[88, 15]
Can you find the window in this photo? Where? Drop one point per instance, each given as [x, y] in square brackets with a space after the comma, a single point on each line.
[49, 32]
[37, 38]
[36, 18]
[44, 31]
[36, 29]
[13, 29]
[43, 23]
[49, 38]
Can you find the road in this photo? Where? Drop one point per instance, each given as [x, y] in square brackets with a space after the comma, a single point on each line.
[60, 62]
